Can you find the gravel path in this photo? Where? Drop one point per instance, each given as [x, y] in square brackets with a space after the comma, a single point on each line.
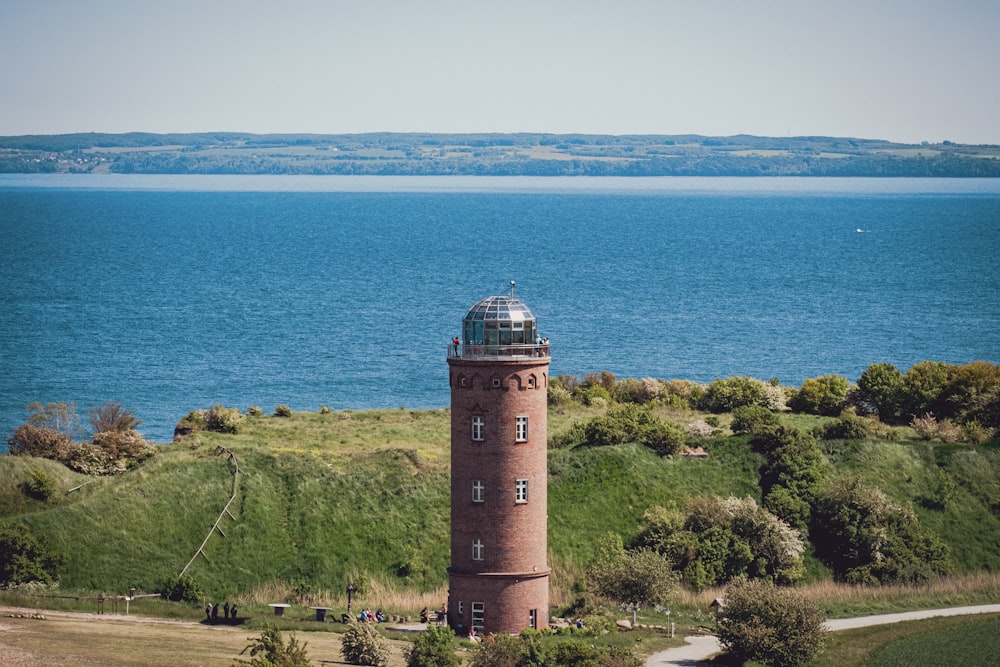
[702, 647]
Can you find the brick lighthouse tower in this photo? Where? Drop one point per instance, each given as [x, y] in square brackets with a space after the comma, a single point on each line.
[499, 576]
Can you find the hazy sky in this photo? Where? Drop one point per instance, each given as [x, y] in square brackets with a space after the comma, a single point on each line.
[903, 70]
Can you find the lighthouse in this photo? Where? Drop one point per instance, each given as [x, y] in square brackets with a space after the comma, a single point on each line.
[498, 371]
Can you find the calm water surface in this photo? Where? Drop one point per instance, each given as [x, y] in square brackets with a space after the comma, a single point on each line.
[169, 294]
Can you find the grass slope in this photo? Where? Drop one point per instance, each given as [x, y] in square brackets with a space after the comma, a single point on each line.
[363, 497]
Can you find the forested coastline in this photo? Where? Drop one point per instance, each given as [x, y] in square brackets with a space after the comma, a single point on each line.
[521, 154]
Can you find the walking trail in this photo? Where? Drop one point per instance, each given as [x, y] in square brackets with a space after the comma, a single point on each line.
[701, 647]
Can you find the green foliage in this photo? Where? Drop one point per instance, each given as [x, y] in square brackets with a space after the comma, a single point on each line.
[636, 578]
[270, 650]
[795, 464]
[754, 419]
[182, 589]
[725, 395]
[363, 645]
[24, 559]
[770, 625]
[525, 650]
[847, 427]
[223, 420]
[624, 424]
[718, 540]
[825, 395]
[282, 411]
[923, 385]
[880, 390]
[432, 648]
[40, 486]
[868, 539]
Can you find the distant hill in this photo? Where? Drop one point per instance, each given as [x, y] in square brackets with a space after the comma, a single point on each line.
[520, 154]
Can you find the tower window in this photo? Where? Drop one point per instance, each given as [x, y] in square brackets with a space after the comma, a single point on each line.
[521, 429]
[521, 491]
[477, 550]
[478, 614]
[477, 490]
[496, 383]
[533, 619]
[477, 428]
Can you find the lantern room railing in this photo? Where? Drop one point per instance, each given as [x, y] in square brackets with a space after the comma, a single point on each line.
[473, 351]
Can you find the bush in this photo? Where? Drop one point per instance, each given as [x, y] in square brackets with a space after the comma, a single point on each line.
[640, 392]
[755, 419]
[363, 645]
[282, 411]
[31, 440]
[929, 428]
[123, 444]
[255, 411]
[182, 589]
[270, 650]
[223, 420]
[728, 394]
[112, 417]
[432, 648]
[41, 486]
[825, 395]
[770, 625]
[23, 559]
[847, 427]
[868, 539]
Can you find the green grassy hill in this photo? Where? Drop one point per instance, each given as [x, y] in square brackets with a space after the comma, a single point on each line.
[324, 499]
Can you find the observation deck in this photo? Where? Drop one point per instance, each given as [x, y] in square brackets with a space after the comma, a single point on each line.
[499, 327]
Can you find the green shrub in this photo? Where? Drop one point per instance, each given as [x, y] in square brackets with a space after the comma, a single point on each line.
[282, 411]
[825, 395]
[182, 589]
[432, 648]
[41, 486]
[770, 625]
[728, 394]
[223, 420]
[847, 427]
[270, 650]
[255, 411]
[640, 392]
[880, 389]
[23, 559]
[754, 419]
[868, 539]
[363, 645]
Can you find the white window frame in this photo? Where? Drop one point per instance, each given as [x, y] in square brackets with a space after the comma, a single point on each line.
[477, 490]
[477, 428]
[521, 491]
[521, 428]
[533, 619]
[461, 613]
[477, 550]
[478, 616]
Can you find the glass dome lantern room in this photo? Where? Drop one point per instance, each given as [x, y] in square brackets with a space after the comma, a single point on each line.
[499, 321]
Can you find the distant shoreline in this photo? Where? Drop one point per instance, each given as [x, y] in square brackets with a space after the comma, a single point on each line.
[490, 154]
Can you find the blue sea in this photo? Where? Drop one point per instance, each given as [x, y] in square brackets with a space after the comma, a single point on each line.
[173, 293]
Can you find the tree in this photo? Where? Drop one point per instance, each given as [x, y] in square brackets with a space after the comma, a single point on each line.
[771, 625]
[636, 578]
[923, 386]
[363, 645]
[879, 390]
[868, 539]
[270, 650]
[432, 648]
[23, 559]
[825, 395]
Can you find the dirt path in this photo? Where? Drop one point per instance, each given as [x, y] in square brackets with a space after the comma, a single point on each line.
[703, 647]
